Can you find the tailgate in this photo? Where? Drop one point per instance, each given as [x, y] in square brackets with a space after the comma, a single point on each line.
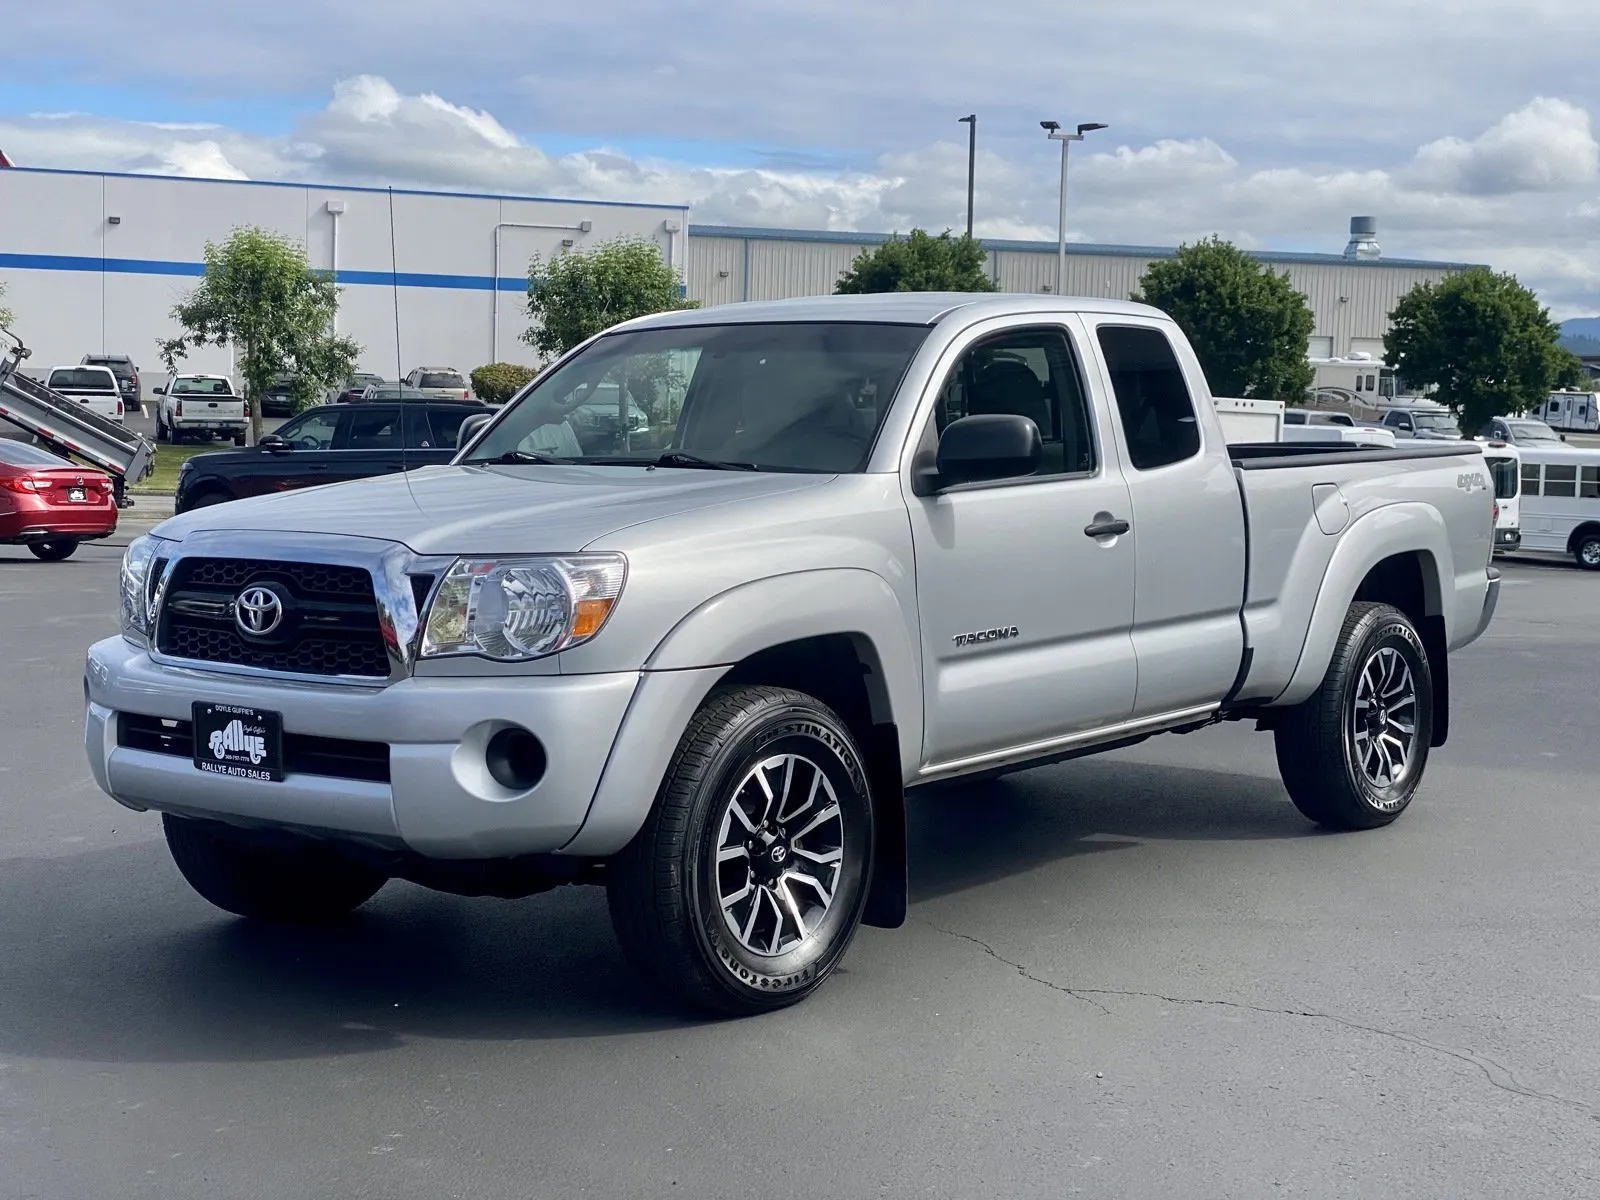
[208, 408]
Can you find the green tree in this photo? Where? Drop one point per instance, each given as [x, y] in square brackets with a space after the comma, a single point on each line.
[919, 263]
[5, 313]
[576, 295]
[1484, 341]
[498, 382]
[1248, 325]
[260, 296]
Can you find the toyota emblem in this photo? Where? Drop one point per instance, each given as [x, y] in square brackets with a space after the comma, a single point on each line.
[258, 611]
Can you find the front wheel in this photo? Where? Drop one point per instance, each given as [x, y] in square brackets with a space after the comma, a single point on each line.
[1353, 753]
[294, 883]
[56, 551]
[1587, 552]
[745, 886]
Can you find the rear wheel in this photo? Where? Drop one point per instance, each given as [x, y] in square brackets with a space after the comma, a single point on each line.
[301, 884]
[1587, 551]
[161, 429]
[58, 550]
[747, 883]
[1352, 755]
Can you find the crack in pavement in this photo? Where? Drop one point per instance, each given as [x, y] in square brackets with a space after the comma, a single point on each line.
[1497, 1074]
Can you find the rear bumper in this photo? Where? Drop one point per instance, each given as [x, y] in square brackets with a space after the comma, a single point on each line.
[1507, 539]
[44, 524]
[1491, 600]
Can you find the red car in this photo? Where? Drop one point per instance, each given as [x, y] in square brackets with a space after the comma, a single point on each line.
[49, 504]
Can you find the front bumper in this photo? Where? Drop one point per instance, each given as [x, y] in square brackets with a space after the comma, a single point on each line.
[440, 801]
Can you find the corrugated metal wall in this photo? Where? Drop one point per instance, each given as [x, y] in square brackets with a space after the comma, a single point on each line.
[80, 282]
[1351, 303]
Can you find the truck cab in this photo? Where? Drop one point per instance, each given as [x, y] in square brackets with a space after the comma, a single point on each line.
[94, 387]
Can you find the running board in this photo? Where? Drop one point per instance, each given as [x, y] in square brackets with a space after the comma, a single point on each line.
[1069, 744]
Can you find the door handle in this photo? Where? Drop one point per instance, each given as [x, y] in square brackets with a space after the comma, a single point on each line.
[1105, 525]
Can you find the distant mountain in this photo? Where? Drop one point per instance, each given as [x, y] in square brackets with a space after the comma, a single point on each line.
[1581, 335]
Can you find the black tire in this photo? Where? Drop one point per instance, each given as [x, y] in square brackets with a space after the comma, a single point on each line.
[161, 429]
[207, 498]
[1587, 551]
[666, 887]
[291, 884]
[238, 439]
[57, 551]
[1334, 777]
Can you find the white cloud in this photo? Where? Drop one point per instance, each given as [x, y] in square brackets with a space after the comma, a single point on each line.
[1544, 147]
[1521, 194]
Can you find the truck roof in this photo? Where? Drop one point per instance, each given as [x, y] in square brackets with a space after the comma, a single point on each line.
[898, 308]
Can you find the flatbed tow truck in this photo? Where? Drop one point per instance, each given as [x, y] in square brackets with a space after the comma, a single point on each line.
[69, 428]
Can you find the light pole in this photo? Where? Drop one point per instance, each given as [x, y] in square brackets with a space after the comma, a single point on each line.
[972, 162]
[1052, 130]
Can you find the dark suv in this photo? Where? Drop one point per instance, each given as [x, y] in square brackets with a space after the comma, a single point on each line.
[328, 444]
[123, 368]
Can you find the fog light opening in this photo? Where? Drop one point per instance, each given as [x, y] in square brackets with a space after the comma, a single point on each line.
[515, 759]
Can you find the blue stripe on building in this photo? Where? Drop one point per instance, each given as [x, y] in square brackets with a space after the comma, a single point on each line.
[150, 266]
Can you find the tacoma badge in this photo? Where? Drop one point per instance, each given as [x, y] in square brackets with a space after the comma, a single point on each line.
[1002, 634]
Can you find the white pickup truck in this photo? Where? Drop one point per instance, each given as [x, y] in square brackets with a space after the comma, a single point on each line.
[200, 406]
[867, 544]
[96, 388]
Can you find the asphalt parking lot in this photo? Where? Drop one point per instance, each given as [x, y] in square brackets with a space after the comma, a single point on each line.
[1139, 975]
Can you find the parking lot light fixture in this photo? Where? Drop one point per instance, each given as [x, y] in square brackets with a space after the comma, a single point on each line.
[1052, 130]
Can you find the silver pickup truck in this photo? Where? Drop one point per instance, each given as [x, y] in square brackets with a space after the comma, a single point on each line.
[867, 544]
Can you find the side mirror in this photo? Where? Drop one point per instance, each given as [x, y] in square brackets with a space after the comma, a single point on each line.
[161, 389]
[987, 447]
[271, 441]
[471, 427]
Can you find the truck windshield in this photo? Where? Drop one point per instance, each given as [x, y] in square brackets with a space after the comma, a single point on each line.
[1532, 431]
[1437, 423]
[793, 396]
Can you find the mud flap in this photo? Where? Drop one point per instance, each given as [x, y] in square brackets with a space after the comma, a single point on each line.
[887, 899]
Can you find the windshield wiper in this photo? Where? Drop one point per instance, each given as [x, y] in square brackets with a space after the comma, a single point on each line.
[682, 458]
[513, 457]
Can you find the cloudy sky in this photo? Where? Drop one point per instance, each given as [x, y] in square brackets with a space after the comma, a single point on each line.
[1465, 126]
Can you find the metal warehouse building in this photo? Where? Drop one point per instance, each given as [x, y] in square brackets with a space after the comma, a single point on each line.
[93, 263]
[1351, 294]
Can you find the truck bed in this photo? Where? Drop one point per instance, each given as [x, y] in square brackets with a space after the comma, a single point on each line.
[1267, 456]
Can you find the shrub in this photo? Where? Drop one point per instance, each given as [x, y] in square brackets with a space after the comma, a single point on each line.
[498, 382]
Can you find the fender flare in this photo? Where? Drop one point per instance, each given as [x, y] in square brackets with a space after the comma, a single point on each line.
[778, 609]
[1405, 528]
[728, 628]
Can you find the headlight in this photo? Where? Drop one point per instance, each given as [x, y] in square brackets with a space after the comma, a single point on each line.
[514, 609]
[138, 584]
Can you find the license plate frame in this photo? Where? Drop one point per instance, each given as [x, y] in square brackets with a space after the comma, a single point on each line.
[238, 742]
[77, 495]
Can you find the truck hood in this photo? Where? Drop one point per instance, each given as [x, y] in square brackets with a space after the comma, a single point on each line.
[491, 510]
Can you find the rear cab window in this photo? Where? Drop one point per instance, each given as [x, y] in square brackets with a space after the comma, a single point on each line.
[1153, 401]
[441, 379]
[82, 379]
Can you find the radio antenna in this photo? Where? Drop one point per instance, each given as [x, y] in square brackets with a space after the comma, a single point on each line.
[399, 374]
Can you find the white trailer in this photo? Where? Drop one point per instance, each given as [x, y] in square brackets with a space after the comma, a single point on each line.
[1571, 412]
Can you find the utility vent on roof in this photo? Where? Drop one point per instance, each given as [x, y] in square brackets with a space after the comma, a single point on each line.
[1363, 239]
